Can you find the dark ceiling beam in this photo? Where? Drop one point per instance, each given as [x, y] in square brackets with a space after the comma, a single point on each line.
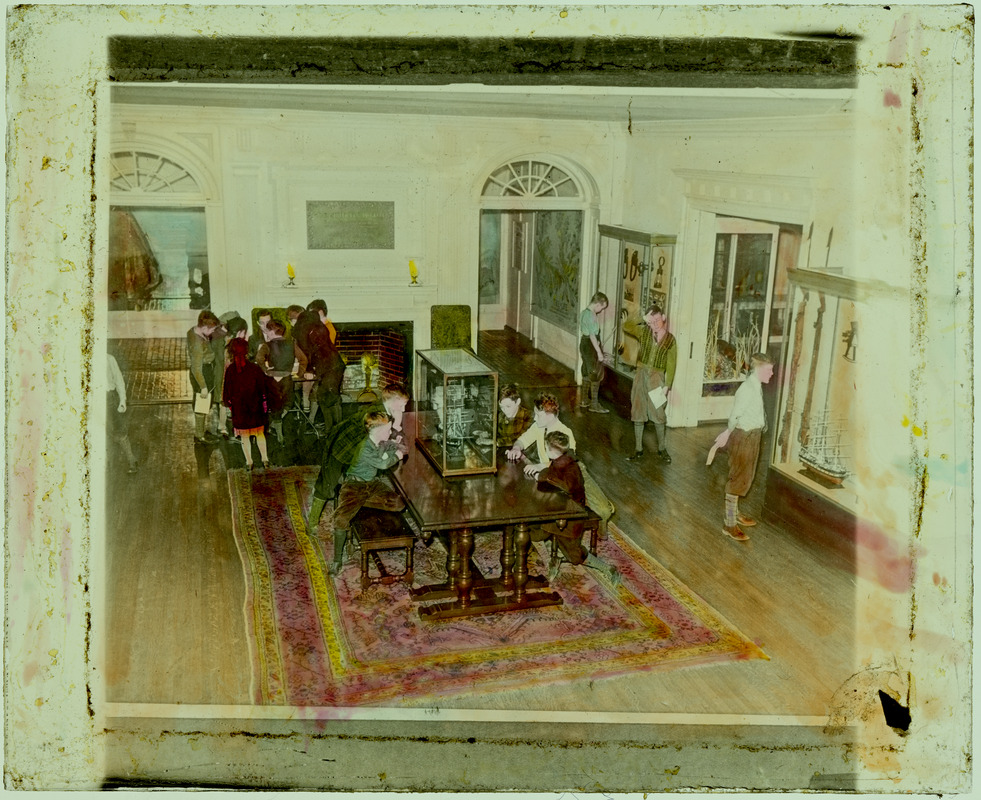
[613, 61]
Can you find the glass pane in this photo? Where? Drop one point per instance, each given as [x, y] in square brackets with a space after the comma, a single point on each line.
[719, 352]
[751, 273]
[158, 259]
[490, 257]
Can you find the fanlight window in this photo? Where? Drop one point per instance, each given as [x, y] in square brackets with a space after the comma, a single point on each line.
[530, 179]
[136, 171]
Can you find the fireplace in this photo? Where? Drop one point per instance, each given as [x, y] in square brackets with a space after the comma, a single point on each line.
[389, 342]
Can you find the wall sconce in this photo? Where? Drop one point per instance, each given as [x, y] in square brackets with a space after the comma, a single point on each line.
[850, 338]
[413, 272]
[291, 274]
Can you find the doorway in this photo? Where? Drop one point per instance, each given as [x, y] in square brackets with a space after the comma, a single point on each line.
[531, 276]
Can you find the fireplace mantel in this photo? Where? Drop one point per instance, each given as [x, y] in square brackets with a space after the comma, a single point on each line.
[367, 303]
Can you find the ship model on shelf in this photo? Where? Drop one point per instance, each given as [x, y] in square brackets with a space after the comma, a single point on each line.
[821, 451]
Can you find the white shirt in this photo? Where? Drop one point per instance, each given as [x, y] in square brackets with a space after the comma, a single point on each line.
[747, 410]
[116, 379]
[536, 435]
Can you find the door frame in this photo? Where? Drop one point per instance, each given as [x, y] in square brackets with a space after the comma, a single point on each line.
[708, 194]
[558, 343]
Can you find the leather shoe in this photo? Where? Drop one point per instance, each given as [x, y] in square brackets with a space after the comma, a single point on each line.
[636, 456]
[735, 533]
[599, 410]
[665, 457]
[747, 522]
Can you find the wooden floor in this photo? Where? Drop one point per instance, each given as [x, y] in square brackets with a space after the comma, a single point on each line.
[176, 628]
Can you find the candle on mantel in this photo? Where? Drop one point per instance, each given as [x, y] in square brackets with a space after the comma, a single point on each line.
[413, 272]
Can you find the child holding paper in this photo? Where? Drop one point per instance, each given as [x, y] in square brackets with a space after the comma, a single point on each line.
[656, 362]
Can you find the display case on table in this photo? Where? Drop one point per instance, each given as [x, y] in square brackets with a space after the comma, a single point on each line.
[457, 423]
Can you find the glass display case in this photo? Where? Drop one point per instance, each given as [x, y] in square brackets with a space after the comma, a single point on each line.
[642, 263]
[457, 408]
[814, 443]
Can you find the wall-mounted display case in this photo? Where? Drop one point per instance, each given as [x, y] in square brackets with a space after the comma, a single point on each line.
[814, 458]
[643, 263]
[458, 405]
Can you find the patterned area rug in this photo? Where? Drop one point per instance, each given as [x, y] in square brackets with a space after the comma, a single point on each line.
[319, 640]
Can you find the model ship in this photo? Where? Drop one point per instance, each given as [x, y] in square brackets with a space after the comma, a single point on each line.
[821, 454]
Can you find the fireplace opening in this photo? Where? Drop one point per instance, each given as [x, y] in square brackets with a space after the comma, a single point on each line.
[376, 354]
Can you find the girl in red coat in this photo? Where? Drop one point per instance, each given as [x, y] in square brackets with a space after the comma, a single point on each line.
[245, 394]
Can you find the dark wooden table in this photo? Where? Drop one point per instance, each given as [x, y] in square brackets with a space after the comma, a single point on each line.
[507, 503]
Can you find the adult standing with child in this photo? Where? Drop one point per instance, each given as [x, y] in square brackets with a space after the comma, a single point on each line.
[594, 359]
[657, 360]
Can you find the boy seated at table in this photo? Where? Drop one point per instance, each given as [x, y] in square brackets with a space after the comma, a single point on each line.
[343, 443]
[563, 473]
[547, 420]
[362, 485]
[514, 419]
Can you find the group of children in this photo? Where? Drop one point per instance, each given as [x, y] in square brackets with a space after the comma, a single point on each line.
[365, 445]
[252, 377]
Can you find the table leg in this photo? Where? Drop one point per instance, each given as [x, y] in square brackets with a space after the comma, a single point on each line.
[507, 558]
[465, 580]
[452, 561]
[522, 540]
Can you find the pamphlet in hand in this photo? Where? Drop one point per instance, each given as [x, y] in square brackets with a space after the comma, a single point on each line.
[202, 405]
[658, 396]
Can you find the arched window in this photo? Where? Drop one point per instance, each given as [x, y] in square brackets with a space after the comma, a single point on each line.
[138, 171]
[531, 245]
[158, 244]
[530, 178]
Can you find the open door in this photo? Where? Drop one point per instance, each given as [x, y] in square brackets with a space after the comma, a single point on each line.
[517, 231]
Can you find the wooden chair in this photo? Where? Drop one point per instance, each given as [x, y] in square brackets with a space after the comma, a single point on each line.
[376, 530]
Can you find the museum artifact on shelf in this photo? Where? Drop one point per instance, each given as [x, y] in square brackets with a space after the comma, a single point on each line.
[458, 412]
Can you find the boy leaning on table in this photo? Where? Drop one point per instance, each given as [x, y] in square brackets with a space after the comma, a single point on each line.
[563, 473]
[362, 485]
[546, 420]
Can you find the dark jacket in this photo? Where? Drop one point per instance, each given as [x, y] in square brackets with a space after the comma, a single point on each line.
[244, 393]
[565, 475]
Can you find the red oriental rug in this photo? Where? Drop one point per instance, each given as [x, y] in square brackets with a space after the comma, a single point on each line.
[319, 640]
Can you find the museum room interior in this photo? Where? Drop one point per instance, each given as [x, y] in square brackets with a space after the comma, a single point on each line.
[460, 227]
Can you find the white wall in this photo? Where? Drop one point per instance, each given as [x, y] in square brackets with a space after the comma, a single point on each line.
[267, 164]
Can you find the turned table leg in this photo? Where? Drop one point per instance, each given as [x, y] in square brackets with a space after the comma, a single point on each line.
[465, 580]
[522, 540]
[507, 558]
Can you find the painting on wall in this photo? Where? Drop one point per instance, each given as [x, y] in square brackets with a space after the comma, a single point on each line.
[558, 256]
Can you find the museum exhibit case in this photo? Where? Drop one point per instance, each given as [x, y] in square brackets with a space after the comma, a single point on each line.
[458, 412]
[813, 457]
[643, 264]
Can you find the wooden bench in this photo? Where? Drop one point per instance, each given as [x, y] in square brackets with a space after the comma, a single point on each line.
[375, 530]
